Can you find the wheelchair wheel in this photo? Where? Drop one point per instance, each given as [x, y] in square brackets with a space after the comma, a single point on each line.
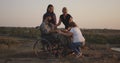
[41, 45]
[37, 47]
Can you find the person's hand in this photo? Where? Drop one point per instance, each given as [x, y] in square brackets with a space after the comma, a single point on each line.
[59, 31]
[65, 31]
[49, 18]
[56, 26]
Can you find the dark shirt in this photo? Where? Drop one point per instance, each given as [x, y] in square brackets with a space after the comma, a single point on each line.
[52, 15]
[65, 20]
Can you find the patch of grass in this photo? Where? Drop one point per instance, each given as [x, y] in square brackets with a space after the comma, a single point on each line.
[23, 32]
[7, 41]
[101, 36]
[97, 36]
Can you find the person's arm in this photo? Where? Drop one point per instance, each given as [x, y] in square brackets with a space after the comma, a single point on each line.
[44, 17]
[71, 19]
[59, 22]
[54, 19]
[53, 31]
[67, 33]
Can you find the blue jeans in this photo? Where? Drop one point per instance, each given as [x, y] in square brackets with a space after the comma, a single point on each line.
[75, 47]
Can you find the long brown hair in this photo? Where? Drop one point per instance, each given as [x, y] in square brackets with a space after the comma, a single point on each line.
[50, 5]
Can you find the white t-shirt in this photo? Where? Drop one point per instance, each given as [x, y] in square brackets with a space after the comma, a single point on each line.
[77, 35]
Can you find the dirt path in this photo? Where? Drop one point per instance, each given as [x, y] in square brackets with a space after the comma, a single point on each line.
[23, 53]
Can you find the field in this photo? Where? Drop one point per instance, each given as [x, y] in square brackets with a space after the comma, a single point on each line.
[16, 47]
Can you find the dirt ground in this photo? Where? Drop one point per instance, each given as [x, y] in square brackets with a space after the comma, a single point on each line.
[23, 53]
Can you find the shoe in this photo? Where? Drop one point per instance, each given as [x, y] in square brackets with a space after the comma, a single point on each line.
[79, 55]
[73, 53]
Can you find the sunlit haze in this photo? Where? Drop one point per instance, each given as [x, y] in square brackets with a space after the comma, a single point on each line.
[86, 13]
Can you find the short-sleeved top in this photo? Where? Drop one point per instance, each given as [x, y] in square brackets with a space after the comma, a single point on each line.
[77, 35]
[65, 20]
[52, 15]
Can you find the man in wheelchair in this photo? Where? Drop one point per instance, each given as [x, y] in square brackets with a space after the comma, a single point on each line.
[55, 42]
[62, 42]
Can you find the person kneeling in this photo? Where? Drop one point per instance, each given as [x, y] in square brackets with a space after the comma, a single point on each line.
[78, 39]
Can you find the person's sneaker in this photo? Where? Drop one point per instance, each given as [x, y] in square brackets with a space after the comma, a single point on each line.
[73, 53]
[79, 55]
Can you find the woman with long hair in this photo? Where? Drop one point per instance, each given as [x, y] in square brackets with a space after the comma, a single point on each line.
[50, 13]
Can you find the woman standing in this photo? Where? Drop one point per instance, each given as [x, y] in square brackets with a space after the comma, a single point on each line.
[50, 13]
[65, 18]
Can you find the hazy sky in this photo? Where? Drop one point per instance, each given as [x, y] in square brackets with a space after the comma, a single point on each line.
[86, 13]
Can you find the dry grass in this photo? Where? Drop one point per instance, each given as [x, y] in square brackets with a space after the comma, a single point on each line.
[7, 42]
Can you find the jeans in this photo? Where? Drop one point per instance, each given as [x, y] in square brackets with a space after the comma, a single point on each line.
[76, 47]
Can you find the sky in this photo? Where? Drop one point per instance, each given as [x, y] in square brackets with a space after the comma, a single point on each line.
[102, 14]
